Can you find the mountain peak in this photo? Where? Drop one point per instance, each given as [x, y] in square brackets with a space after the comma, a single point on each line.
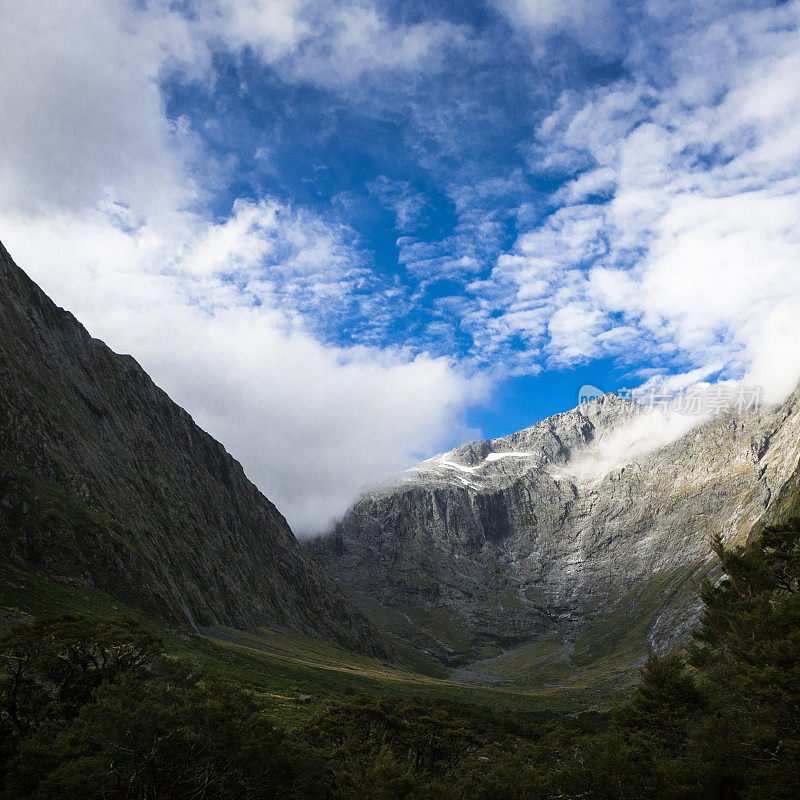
[554, 440]
[548, 529]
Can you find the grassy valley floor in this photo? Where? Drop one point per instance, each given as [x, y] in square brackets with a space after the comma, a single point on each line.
[297, 676]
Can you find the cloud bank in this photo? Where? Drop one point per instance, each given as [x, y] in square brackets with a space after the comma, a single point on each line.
[676, 231]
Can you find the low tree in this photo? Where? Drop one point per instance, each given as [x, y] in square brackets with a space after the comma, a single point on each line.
[50, 668]
[178, 735]
[372, 748]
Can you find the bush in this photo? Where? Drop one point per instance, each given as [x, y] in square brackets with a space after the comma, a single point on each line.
[92, 709]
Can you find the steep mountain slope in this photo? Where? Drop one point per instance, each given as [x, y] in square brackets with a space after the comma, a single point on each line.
[105, 482]
[575, 532]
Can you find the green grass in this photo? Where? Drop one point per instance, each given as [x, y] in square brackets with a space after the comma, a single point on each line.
[539, 661]
[26, 595]
[279, 667]
[446, 626]
[510, 600]
[603, 660]
[618, 637]
[298, 676]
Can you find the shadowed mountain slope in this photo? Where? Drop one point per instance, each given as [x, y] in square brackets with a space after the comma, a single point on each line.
[105, 482]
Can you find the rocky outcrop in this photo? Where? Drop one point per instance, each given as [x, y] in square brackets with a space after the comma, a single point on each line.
[105, 482]
[549, 530]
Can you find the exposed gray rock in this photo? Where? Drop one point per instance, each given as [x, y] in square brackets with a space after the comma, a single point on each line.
[549, 528]
[105, 482]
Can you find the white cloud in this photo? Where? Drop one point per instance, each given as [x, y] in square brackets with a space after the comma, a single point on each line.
[676, 233]
[323, 43]
[645, 432]
[83, 117]
[272, 29]
[694, 246]
[409, 206]
[101, 207]
[595, 24]
[312, 423]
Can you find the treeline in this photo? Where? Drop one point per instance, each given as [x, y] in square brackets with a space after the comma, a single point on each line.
[94, 710]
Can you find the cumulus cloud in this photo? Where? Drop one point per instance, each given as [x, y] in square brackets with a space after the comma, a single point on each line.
[653, 217]
[323, 43]
[312, 423]
[103, 205]
[595, 24]
[83, 119]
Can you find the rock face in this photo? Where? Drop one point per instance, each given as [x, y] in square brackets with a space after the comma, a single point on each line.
[547, 531]
[105, 482]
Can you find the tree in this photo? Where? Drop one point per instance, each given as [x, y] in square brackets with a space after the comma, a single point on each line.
[664, 704]
[747, 654]
[178, 735]
[377, 749]
[50, 668]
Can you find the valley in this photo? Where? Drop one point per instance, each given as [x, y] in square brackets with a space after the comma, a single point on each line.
[501, 616]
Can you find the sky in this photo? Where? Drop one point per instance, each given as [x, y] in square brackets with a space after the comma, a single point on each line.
[347, 235]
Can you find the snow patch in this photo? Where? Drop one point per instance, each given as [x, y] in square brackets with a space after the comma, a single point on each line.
[498, 456]
[453, 465]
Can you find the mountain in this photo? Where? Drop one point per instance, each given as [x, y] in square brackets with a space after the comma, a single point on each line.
[584, 535]
[105, 482]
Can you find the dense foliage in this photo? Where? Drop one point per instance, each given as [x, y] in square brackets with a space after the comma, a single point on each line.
[94, 709]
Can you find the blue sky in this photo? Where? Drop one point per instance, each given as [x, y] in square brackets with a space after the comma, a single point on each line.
[423, 170]
[346, 234]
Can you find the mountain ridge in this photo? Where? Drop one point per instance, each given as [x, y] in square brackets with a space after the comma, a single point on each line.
[543, 533]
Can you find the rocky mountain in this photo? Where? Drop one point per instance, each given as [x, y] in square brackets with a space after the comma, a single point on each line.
[105, 482]
[583, 530]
